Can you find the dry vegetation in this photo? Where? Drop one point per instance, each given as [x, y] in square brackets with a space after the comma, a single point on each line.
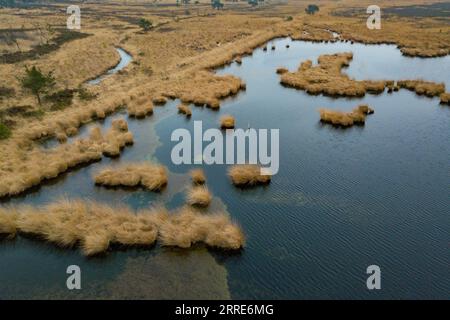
[27, 170]
[199, 196]
[184, 109]
[345, 119]
[327, 78]
[445, 98]
[197, 176]
[150, 176]
[96, 227]
[247, 175]
[184, 50]
[227, 122]
[430, 89]
[140, 108]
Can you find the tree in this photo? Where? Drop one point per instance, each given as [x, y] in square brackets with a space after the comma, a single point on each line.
[311, 9]
[37, 82]
[145, 24]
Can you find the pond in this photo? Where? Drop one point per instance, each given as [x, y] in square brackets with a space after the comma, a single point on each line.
[341, 201]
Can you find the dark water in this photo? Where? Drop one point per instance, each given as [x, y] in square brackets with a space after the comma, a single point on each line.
[342, 200]
[125, 59]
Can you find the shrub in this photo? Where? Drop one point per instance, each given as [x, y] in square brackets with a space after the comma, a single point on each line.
[247, 175]
[37, 82]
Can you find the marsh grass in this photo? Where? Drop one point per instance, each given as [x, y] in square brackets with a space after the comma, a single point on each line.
[445, 98]
[345, 119]
[430, 89]
[96, 228]
[40, 165]
[199, 196]
[227, 122]
[247, 175]
[150, 176]
[184, 109]
[198, 176]
[140, 108]
[327, 78]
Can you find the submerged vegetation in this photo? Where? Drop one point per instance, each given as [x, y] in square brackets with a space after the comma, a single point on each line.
[96, 227]
[247, 175]
[150, 176]
[345, 119]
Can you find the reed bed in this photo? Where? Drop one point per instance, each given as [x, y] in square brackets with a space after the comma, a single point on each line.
[39, 165]
[197, 176]
[98, 227]
[184, 109]
[244, 175]
[187, 227]
[430, 89]
[345, 119]
[445, 98]
[199, 196]
[150, 176]
[227, 122]
[326, 78]
[140, 108]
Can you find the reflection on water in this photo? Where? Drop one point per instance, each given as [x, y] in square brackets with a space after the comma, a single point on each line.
[125, 59]
[342, 200]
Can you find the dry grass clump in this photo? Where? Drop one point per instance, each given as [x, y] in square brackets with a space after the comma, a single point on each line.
[40, 165]
[8, 223]
[92, 225]
[430, 89]
[188, 227]
[199, 196]
[247, 175]
[184, 109]
[140, 108]
[152, 177]
[160, 100]
[197, 176]
[445, 98]
[206, 89]
[282, 70]
[238, 60]
[345, 119]
[327, 78]
[95, 227]
[227, 122]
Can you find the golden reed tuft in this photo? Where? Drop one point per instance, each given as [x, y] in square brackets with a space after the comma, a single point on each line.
[95, 227]
[227, 122]
[247, 175]
[345, 119]
[152, 177]
[199, 196]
